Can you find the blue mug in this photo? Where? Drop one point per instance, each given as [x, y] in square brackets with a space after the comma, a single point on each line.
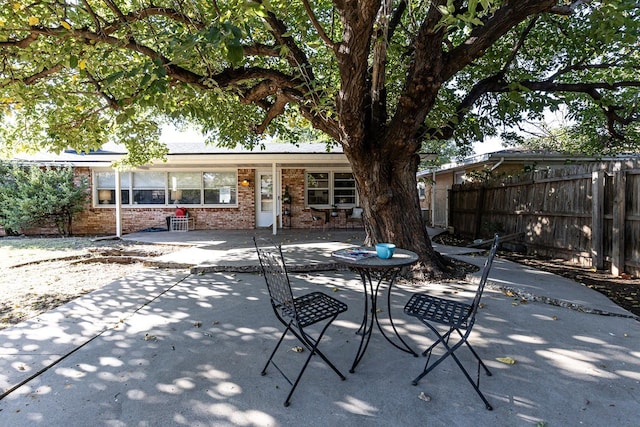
[385, 250]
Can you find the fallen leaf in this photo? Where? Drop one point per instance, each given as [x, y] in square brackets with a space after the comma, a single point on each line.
[148, 337]
[506, 360]
[197, 324]
[509, 293]
[555, 318]
[297, 349]
[424, 397]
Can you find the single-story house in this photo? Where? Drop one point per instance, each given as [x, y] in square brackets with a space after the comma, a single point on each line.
[434, 184]
[275, 185]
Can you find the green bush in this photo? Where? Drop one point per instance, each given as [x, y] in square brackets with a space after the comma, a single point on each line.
[35, 196]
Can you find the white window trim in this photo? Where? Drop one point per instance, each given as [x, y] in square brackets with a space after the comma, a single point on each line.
[167, 189]
[331, 173]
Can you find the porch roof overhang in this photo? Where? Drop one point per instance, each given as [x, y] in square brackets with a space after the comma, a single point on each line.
[196, 155]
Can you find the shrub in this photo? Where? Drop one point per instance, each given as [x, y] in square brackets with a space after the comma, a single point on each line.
[32, 195]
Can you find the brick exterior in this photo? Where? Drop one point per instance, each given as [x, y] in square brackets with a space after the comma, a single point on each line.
[102, 221]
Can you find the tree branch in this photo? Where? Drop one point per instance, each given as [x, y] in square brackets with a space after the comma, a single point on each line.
[568, 9]
[272, 112]
[323, 35]
[141, 14]
[484, 36]
[111, 101]
[520, 43]
[93, 15]
[42, 74]
[497, 84]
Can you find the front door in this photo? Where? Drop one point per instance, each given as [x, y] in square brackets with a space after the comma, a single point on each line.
[264, 199]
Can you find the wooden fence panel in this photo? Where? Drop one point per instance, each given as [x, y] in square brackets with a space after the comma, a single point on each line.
[555, 210]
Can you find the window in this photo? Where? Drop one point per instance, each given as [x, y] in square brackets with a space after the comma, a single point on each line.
[149, 188]
[459, 177]
[317, 188]
[185, 188]
[167, 188]
[422, 190]
[105, 183]
[220, 188]
[331, 188]
[344, 189]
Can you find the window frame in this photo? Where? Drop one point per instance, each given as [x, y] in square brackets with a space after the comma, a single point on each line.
[167, 188]
[331, 182]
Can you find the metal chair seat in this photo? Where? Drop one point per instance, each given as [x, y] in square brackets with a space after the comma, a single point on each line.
[315, 307]
[440, 310]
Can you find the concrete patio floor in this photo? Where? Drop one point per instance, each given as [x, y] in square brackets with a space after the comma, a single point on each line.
[171, 347]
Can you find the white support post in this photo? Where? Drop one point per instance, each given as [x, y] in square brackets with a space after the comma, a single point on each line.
[276, 193]
[118, 205]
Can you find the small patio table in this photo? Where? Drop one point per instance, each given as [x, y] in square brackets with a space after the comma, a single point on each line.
[383, 270]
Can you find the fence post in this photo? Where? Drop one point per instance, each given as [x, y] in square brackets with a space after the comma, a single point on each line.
[619, 211]
[597, 219]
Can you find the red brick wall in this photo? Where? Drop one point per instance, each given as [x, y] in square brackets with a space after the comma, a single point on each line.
[101, 220]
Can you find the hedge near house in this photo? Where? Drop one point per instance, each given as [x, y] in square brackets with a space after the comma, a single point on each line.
[33, 196]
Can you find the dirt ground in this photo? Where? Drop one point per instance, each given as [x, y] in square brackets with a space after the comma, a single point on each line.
[38, 274]
[623, 291]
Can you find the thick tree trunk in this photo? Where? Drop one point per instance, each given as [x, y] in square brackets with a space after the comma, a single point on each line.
[389, 197]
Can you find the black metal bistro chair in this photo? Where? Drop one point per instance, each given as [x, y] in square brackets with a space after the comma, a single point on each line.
[295, 313]
[457, 316]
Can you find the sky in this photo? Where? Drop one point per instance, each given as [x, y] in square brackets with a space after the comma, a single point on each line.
[490, 145]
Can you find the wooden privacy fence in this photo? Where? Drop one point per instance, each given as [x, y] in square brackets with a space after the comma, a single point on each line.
[587, 213]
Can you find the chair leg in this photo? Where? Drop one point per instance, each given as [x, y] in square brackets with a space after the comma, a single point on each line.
[312, 345]
[486, 370]
[473, 384]
[450, 352]
[273, 353]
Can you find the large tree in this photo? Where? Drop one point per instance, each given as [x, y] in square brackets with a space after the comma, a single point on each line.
[378, 77]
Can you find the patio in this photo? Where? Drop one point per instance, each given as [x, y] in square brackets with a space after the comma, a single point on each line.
[167, 347]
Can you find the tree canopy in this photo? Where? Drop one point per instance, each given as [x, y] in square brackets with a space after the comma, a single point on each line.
[379, 77]
[80, 73]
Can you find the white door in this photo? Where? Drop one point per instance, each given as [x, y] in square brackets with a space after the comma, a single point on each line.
[264, 199]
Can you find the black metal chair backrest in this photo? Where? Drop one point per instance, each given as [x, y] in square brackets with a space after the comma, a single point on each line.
[483, 279]
[276, 277]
